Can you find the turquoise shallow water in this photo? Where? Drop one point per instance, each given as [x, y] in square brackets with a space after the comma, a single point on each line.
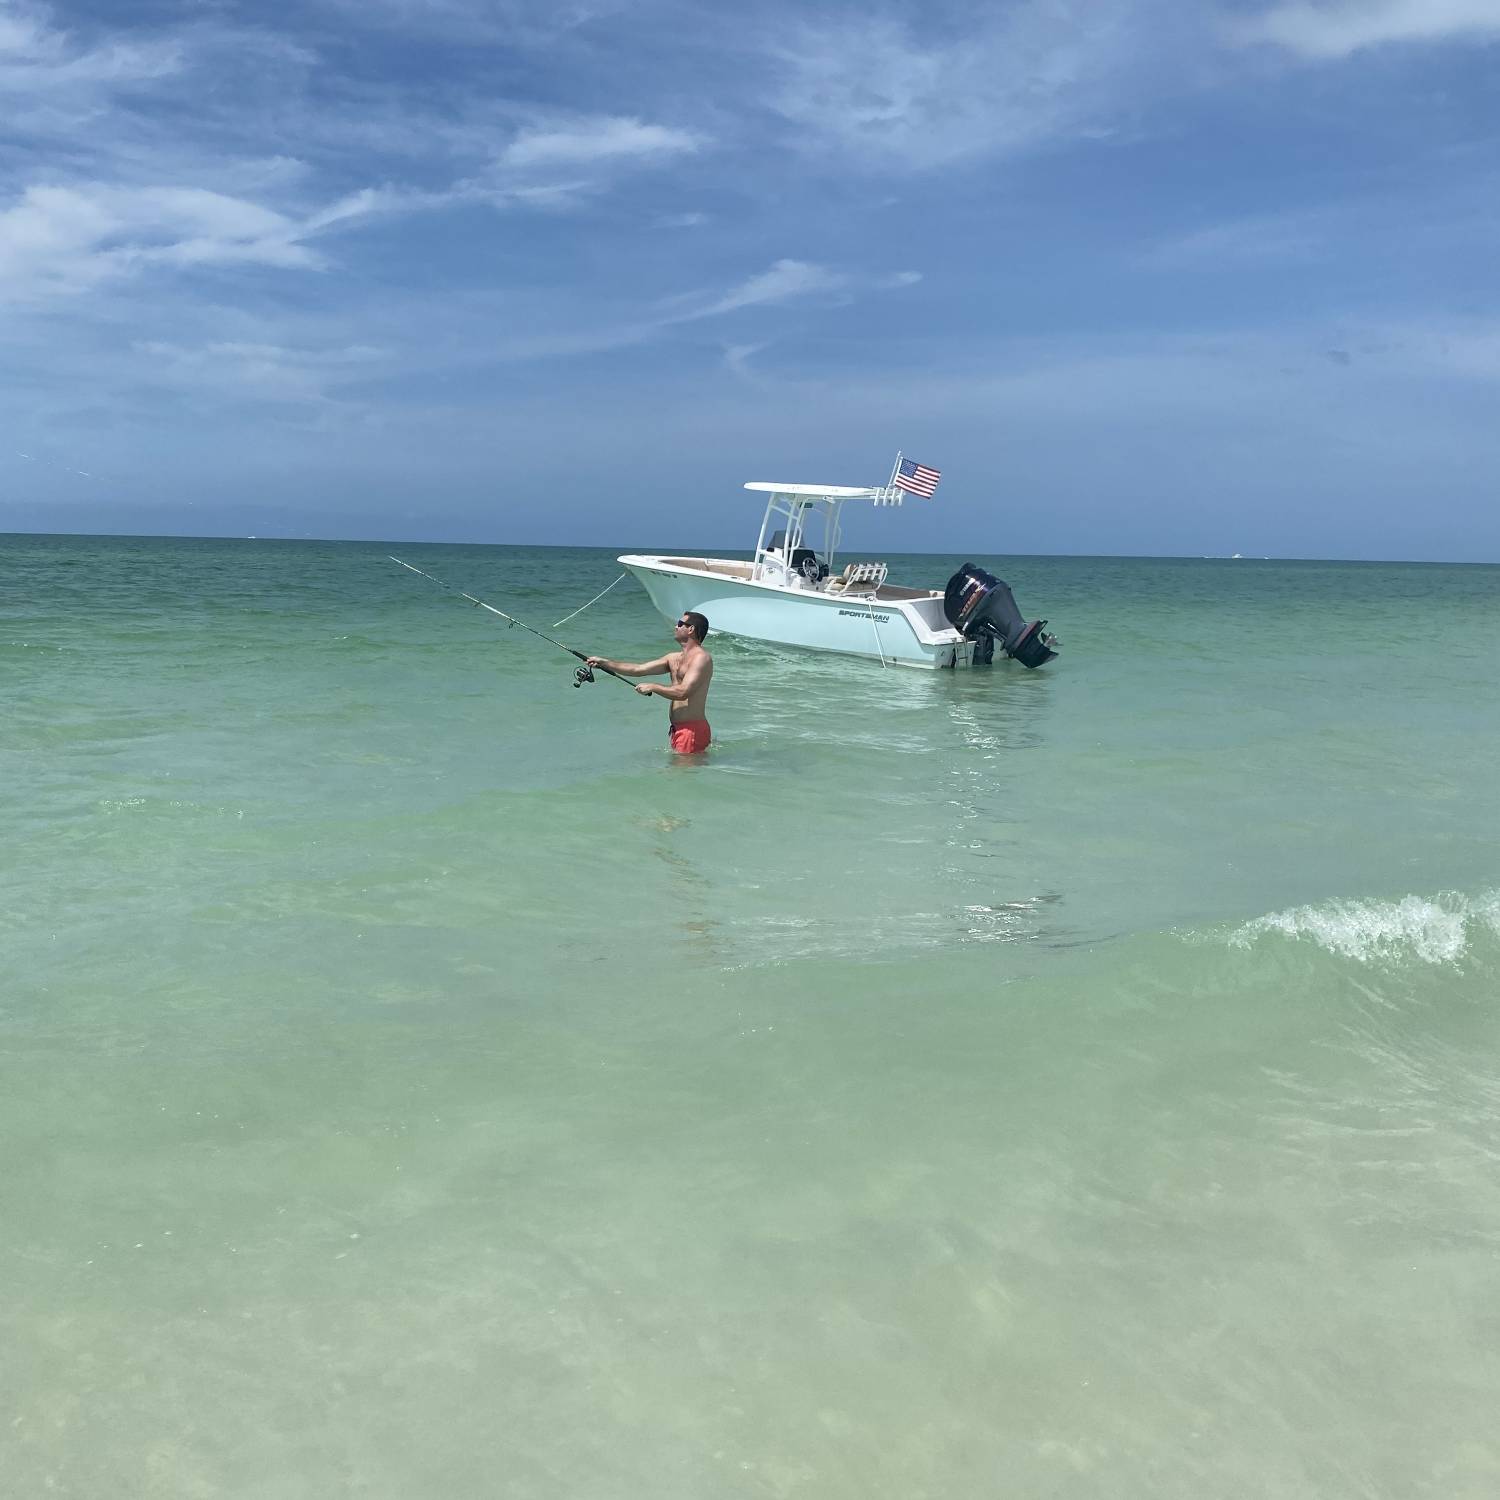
[415, 1083]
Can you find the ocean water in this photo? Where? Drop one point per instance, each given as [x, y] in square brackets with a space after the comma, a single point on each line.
[413, 1082]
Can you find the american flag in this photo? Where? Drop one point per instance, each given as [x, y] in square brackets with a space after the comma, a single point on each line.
[917, 479]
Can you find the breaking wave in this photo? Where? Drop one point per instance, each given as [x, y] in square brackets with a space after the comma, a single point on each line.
[1416, 929]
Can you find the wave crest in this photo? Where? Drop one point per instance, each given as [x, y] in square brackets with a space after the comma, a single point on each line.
[1429, 930]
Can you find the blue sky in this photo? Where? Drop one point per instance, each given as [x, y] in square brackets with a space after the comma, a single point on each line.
[1139, 277]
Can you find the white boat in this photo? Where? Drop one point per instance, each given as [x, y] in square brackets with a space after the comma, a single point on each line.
[793, 593]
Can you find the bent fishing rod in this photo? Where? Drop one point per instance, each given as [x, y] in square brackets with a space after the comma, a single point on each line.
[584, 674]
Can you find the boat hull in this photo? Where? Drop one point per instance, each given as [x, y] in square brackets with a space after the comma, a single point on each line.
[897, 632]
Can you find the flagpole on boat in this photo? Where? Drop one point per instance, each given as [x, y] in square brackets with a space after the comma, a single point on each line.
[584, 674]
[890, 483]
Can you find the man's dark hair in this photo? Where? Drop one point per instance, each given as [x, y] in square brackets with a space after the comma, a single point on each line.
[699, 624]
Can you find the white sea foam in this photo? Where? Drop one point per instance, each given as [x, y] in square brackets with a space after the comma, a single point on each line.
[1430, 930]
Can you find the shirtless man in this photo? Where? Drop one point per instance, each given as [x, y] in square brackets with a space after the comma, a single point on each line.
[691, 669]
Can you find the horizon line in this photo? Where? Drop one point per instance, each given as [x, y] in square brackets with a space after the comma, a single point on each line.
[168, 536]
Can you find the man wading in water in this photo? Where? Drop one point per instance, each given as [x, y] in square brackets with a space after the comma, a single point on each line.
[691, 669]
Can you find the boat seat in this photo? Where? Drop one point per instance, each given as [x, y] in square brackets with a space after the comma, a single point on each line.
[861, 576]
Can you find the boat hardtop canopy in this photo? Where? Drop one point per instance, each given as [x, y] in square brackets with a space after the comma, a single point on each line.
[786, 553]
[818, 491]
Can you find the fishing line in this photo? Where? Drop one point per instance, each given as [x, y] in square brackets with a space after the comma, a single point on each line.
[597, 597]
[584, 674]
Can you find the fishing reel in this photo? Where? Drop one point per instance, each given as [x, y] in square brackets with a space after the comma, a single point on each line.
[582, 675]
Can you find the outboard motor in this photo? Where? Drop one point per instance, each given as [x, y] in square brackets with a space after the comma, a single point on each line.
[984, 609]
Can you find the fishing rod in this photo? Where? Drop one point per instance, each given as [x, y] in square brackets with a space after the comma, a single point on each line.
[584, 674]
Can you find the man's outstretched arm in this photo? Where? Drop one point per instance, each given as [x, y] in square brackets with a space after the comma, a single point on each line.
[632, 668]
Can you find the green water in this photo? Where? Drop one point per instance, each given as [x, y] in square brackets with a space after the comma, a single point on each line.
[415, 1083]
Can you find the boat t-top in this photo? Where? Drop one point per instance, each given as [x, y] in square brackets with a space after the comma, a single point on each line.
[793, 592]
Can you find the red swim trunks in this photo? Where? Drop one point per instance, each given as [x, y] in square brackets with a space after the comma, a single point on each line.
[690, 737]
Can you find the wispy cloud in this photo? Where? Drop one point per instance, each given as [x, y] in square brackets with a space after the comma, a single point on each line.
[63, 237]
[36, 56]
[591, 141]
[1006, 80]
[60, 240]
[1273, 239]
[217, 106]
[513, 22]
[791, 280]
[785, 280]
[562, 165]
[263, 370]
[784, 283]
[1341, 28]
[737, 359]
[68, 239]
[361, 205]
